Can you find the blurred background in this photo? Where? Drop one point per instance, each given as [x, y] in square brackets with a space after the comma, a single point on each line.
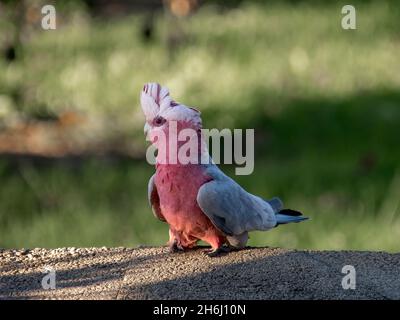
[324, 102]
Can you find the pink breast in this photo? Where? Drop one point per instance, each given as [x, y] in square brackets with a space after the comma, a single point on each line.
[177, 187]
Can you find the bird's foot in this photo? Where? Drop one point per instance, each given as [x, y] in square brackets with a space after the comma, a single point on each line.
[175, 247]
[220, 251]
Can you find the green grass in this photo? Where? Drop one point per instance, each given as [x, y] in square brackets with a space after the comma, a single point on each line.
[103, 203]
[325, 104]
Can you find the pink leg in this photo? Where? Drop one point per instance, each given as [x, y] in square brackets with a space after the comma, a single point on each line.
[179, 241]
[173, 243]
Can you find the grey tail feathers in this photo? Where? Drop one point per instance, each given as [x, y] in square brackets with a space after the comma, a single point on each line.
[287, 216]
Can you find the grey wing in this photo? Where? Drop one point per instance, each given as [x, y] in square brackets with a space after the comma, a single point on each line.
[232, 209]
[154, 199]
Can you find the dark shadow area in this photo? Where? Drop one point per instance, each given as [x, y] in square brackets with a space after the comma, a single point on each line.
[76, 272]
[254, 273]
[288, 275]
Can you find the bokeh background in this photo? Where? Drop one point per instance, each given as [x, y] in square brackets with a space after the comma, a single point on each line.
[324, 102]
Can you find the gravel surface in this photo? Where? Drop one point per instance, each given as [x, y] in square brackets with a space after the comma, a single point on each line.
[154, 273]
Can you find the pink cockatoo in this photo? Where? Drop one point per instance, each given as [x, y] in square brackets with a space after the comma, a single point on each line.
[196, 199]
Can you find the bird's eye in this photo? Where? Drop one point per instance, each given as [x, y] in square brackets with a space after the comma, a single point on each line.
[159, 121]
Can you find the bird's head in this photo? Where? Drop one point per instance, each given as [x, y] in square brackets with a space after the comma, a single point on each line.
[163, 113]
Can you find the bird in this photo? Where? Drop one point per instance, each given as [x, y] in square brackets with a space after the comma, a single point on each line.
[195, 198]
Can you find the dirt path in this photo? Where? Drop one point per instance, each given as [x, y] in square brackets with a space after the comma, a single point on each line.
[153, 273]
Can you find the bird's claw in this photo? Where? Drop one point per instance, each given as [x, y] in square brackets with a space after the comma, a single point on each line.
[216, 252]
[175, 247]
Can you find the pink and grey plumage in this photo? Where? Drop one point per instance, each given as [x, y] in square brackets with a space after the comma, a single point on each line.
[198, 201]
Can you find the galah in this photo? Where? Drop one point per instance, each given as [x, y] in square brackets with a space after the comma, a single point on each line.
[197, 200]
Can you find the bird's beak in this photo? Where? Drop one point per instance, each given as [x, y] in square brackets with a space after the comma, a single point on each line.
[146, 130]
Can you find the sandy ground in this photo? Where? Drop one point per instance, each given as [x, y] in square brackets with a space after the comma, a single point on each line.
[154, 273]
